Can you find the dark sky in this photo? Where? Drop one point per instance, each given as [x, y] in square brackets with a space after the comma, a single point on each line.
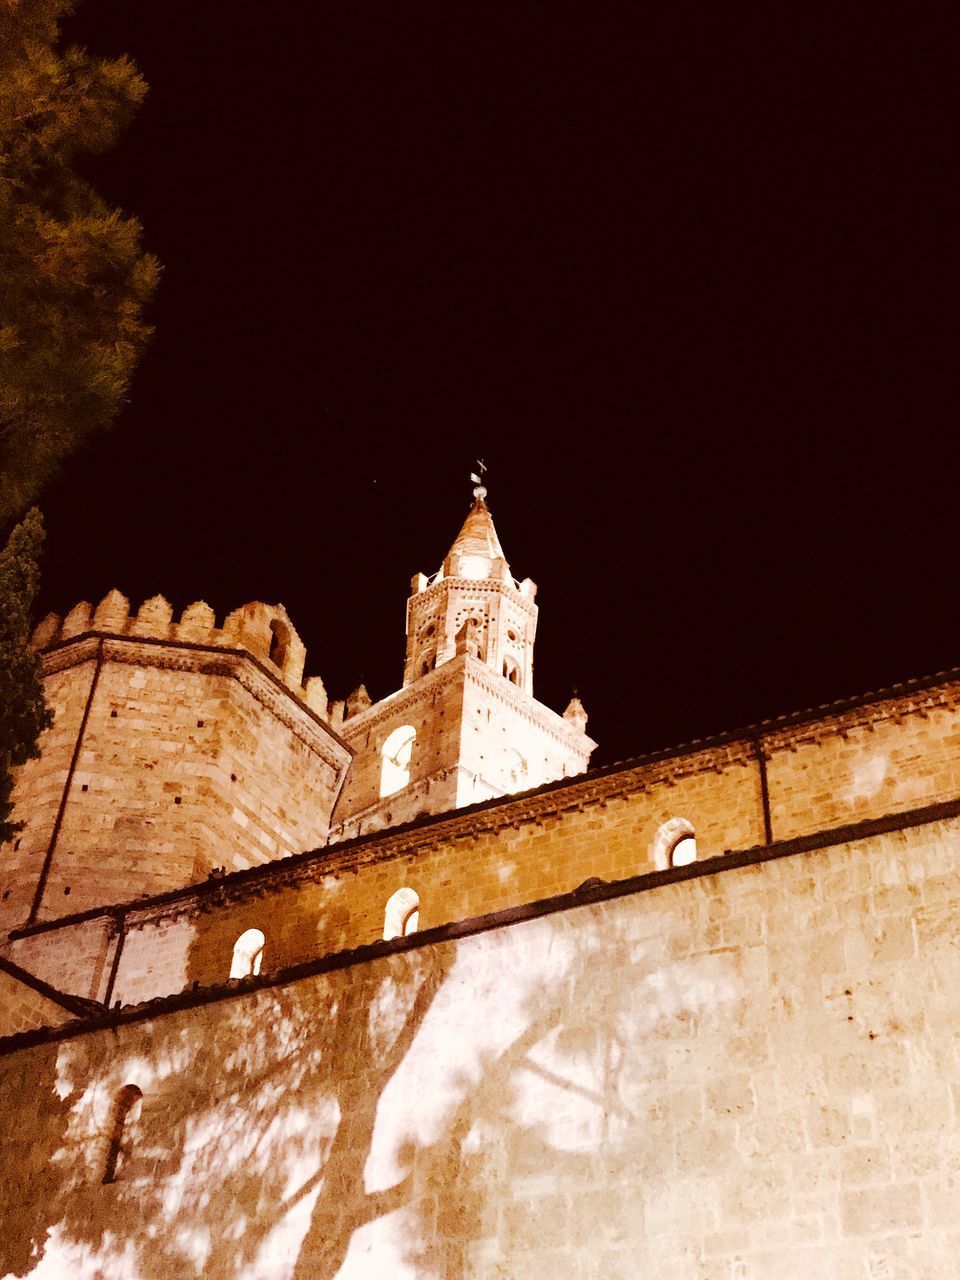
[687, 282]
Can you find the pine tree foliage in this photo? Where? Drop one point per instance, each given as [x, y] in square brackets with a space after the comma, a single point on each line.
[23, 714]
[73, 276]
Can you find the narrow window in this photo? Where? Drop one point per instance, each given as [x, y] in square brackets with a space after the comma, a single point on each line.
[674, 845]
[402, 916]
[279, 639]
[124, 1115]
[396, 754]
[511, 669]
[247, 954]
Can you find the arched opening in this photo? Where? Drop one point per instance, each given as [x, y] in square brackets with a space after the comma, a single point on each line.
[428, 661]
[511, 669]
[470, 637]
[247, 954]
[279, 639]
[674, 845]
[396, 754]
[402, 914]
[124, 1115]
[683, 852]
[516, 769]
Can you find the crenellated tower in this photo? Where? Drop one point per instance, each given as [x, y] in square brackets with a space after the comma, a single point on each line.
[179, 749]
[465, 725]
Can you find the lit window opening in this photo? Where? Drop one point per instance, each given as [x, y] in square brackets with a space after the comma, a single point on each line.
[674, 845]
[402, 914]
[247, 954]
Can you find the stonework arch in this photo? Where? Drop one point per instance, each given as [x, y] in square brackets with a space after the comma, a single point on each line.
[402, 914]
[674, 844]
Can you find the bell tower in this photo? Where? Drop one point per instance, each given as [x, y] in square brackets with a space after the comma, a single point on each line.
[465, 725]
[473, 605]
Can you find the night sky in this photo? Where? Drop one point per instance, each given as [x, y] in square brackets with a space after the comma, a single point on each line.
[688, 283]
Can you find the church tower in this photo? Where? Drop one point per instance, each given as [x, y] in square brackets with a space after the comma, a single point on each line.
[473, 605]
[465, 725]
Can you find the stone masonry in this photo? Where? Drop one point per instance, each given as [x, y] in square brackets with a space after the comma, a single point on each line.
[291, 991]
[176, 750]
[747, 1073]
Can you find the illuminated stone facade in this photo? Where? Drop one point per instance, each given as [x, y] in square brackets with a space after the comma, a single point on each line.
[690, 1016]
[177, 750]
[465, 726]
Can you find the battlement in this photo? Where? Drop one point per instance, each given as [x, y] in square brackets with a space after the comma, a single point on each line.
[263, 630]
[177, 747]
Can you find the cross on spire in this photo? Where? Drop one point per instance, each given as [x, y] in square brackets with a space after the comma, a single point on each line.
[480, 490]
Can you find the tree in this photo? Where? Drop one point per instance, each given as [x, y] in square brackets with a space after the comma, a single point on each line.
[73, 285]
[73, 276]
[23, 714]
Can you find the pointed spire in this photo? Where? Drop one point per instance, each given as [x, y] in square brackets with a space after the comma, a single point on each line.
[478, 536]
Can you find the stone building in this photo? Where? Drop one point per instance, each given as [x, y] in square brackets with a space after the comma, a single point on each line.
[297, 989]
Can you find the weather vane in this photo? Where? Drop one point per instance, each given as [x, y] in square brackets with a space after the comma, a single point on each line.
[480, 490]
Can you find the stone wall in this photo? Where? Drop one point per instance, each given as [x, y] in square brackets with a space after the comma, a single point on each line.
[747, 1073]
[434, 709]
[468, 864]
[862, 763]
[23, 1007]
[473, 727]
[169, 757]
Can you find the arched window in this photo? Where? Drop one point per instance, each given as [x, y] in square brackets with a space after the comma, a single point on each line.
[279, 639]
[402, 916]
[674, 845]
[395, 755]
[511, 669]
[247, 954]
[683, 852]
[123, 1117]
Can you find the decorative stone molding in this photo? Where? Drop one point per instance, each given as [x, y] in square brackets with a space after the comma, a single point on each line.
[236, 664]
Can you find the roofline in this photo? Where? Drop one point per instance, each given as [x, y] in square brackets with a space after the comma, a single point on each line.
[592, 891]
[73, 1004]
[750, 737]
[233, 651]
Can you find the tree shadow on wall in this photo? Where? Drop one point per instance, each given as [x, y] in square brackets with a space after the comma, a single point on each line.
[248, 1107]
[441, 1108]
[31, 1185]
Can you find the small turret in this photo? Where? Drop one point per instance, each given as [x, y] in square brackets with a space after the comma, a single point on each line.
[576, 715]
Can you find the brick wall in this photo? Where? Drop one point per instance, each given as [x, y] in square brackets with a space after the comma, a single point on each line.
[750, 1075]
